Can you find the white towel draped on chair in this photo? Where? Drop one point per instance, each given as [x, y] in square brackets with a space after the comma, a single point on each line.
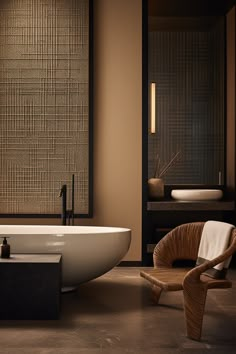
[214, 241]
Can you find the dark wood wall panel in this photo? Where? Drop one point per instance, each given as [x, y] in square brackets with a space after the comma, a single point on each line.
[188, 68]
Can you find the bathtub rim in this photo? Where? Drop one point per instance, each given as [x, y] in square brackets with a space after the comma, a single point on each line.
[59, 229]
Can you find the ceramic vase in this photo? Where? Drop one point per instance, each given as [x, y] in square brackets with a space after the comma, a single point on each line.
[155, 188]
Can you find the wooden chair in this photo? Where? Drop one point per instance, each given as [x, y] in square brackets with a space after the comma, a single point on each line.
[182, 243]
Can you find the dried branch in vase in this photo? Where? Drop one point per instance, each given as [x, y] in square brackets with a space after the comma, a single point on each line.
[161, 171]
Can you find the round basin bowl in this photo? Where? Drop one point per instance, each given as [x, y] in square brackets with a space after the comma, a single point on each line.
[196, 194]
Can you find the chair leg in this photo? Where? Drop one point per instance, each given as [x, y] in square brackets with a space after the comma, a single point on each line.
[156, 293]
[194, 307]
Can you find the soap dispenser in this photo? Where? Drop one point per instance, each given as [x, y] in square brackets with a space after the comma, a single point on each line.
[5, 248]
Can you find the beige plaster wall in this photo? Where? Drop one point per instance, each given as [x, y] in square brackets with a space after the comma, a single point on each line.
[118, 117]
[117, 120]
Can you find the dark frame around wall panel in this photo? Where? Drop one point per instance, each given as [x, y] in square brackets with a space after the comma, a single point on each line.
[46, 113]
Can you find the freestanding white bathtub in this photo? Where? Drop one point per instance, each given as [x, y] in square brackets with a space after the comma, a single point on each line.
[87, 251]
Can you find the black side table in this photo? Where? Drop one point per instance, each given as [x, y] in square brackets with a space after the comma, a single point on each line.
[30, 287]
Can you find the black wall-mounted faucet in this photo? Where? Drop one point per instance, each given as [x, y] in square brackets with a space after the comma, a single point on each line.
[68, 214]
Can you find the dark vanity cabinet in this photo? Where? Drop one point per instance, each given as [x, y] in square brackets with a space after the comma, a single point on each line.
[162, 216]
[188, 112]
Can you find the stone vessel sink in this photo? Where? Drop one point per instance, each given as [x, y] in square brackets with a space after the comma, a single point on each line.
[196, 194]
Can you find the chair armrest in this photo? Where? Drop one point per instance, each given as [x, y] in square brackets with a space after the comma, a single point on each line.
[194, 274]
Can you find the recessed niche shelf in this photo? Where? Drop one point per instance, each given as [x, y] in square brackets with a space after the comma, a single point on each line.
[173, 39]
[182, 206]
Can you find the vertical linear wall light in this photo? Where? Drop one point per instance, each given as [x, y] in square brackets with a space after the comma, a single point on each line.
[153, 109]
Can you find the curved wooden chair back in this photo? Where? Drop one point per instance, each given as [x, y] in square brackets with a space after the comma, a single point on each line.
[180, 243]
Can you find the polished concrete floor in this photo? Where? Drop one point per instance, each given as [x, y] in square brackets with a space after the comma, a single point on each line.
[114, 314]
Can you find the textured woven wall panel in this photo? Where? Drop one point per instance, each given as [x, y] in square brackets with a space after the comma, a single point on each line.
[44, 50]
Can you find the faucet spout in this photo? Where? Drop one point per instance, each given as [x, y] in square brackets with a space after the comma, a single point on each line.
[63, 195]
[67, 214]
